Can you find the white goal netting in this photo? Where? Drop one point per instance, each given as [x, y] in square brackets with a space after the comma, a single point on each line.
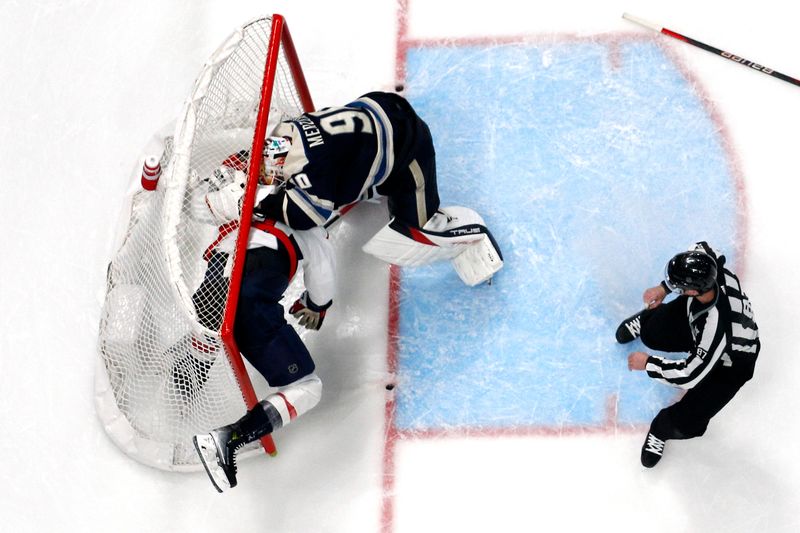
[163, 374]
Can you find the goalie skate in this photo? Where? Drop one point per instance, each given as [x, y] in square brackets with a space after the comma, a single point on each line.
[217, 457]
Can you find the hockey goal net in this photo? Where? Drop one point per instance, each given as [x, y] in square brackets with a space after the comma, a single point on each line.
[169, 367]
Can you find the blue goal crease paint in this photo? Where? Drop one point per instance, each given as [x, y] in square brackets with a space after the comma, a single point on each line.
[591, 172]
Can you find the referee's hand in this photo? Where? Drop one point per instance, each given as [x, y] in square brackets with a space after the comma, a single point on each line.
[637, 361]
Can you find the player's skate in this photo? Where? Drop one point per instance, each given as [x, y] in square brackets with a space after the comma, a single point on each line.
[218, 456]
[652, 450]
[630, 328]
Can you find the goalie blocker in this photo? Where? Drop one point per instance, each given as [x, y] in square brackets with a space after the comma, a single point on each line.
[455, 233]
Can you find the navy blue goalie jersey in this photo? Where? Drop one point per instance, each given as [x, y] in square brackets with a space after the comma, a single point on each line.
[339, 155]
[342, 155]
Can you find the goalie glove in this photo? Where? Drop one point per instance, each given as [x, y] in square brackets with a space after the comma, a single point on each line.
[308, 313]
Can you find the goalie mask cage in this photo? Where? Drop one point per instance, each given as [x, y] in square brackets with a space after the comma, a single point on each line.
[169, 367]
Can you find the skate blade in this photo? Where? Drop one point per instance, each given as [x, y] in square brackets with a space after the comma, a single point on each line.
[215, 473]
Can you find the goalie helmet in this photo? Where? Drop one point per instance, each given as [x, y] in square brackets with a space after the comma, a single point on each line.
[275, 151]
[694, 270]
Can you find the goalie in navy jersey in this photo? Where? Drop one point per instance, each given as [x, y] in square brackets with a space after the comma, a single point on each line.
[712, 320]
[376, 146]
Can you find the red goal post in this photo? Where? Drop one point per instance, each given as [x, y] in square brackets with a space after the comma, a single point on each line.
[280, 38]
[169, 366]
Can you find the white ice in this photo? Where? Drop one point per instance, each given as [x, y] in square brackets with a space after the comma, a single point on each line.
[84, 85]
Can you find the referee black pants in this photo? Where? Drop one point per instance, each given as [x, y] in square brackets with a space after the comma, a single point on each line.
[666, 328]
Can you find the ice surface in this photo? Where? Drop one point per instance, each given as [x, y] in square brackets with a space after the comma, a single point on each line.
[615, 119]
[589, 191]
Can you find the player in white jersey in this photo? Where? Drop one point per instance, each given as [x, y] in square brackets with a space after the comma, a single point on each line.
[712, 320]
[261, 332]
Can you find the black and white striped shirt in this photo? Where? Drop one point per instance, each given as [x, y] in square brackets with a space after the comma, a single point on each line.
[724, 332]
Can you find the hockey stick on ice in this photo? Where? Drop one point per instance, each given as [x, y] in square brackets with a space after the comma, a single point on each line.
[717, 51]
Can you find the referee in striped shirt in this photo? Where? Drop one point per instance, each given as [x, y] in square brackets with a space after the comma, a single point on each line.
[712, 320]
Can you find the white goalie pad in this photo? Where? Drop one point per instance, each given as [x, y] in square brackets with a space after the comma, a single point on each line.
[479, 262]
[455, 233]
[401, 245]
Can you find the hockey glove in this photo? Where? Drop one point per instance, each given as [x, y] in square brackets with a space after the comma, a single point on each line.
[225, 175]
[308, 313]
[224, 204]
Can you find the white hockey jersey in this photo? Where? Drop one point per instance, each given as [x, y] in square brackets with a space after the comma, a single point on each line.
[319, 266]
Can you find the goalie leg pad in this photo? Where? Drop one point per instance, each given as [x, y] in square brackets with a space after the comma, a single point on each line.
[455, 233]
[403, 245]
[479, 262]
[454, 216]
[447, 234]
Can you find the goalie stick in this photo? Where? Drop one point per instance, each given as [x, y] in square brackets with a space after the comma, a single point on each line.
[713, 50]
